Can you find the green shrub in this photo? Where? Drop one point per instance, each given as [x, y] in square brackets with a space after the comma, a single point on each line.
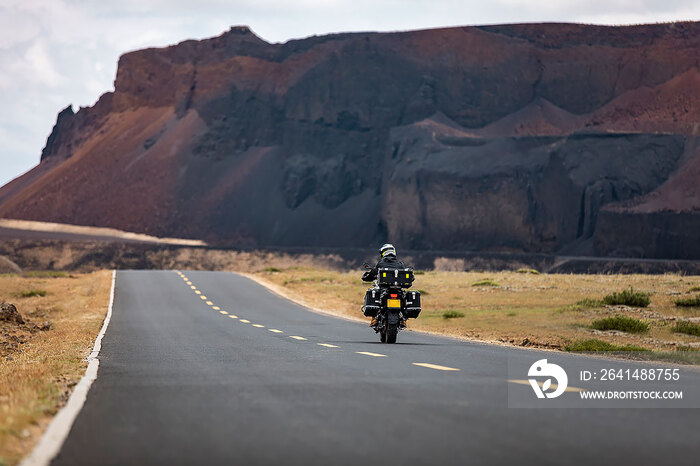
[31, 293]
[622, 323]
[530, 271]
[694, 288]
[628, 298]
[688, 302]
[595, 345]
[689, 328]
[589, 303]
[452, 314]
[485, 282]
[582, 305]
[687, 348]
[419, 272]
[271, 269]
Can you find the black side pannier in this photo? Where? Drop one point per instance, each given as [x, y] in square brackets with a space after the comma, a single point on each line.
[395, 277]
[412, 304]
[373, 301]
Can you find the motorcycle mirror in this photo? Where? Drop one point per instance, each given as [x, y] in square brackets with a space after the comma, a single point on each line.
[366, 265]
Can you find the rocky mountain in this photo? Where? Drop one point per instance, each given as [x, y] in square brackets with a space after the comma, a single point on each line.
[538, 137]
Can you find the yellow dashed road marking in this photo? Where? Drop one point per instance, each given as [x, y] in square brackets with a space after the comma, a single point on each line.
[367, 353]
[297, 338]
[553, 386]
[193, 287]
[233, 317]
[223, 312]
[198, 292]
[258, 326]
[210, 303]
[245, 321]
[274, 330]
[189, 282]
[216, 308]
[435, 366]
[203, 297]
[327, 345]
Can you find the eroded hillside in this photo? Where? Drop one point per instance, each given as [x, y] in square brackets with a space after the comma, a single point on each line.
[539, 137]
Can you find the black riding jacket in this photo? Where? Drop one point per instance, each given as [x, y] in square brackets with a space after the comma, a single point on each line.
[388, 262]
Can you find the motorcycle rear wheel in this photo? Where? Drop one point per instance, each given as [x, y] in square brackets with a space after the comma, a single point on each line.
[391, 331]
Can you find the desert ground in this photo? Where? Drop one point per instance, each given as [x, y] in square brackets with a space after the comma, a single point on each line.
[525, 308]
[639, 316]
[43, 354]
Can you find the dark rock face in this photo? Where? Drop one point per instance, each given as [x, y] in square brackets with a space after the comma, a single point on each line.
[61, 131]
[532, 194]
[71, 129]
[510, 137]
[651, 236]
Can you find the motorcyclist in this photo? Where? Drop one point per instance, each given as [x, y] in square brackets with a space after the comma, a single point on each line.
[387, 260]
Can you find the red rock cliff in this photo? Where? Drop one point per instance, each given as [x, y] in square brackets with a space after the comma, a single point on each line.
[534, 137]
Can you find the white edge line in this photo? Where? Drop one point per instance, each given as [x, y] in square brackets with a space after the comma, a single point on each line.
[57, 432]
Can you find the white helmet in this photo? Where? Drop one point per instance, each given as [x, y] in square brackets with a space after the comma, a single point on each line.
[387, 250]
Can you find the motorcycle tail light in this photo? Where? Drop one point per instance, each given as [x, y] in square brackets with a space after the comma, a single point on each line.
[394, 296]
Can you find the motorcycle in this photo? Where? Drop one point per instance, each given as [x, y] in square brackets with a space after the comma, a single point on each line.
[390, 302]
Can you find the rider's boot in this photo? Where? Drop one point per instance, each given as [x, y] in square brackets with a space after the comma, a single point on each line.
[374, 322]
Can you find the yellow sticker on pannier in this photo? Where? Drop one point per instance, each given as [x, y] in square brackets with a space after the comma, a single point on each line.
[406, 275]
[384, 274]
[393, 303]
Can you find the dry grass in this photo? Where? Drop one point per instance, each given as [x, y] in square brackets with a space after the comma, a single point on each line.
[541, 310]
[38, 368]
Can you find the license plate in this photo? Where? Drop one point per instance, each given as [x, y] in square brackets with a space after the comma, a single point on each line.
[393, 303]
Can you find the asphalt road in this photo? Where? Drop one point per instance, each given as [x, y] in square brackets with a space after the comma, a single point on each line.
[180, 382]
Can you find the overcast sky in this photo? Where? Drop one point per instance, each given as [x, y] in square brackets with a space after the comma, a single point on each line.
[59, 52]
